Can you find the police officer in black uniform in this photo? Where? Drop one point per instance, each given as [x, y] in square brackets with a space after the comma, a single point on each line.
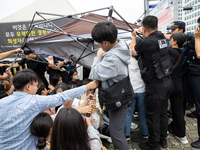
[194, 79]
[155, 65]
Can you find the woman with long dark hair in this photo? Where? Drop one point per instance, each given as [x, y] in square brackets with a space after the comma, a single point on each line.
[70, 132]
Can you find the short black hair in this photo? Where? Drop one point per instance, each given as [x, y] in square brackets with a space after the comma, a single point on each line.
[104, 31]
[27, 52]
[180, 38]
[72, 72]
[150, 23]
[55, 79]
[198, 20]
[41, 86]
[23, 77]
[62, 85]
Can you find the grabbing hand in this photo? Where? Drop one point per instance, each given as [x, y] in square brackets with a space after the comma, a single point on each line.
[134, 33]
[84, 110]
[9, 72]
[5, 75]
[100, 52]
[19, 50]
[89, 121]
[92, 85]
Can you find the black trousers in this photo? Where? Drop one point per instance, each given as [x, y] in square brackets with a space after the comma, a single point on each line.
[176, 100]
[156, 99]
[187, 92]
[194, 83]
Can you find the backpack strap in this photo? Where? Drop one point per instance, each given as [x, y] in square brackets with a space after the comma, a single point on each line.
[177, 61]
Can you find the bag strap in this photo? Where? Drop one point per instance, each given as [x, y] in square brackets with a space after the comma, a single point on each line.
[177, 61]
[102, 147]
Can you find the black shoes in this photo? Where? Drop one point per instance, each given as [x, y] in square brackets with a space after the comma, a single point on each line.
[169, 113]
[146, 146]
[163, 144]
[196, 144]
[170, 128]
[189, 106]
[192, 115]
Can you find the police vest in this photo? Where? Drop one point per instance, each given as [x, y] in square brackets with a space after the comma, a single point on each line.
[162, 61]
[191, 62]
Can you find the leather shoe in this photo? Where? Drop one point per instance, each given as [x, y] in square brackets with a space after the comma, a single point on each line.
[163, 144]
[146, 146]
[196, 144]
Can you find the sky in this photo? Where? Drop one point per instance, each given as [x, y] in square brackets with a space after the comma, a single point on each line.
[130, 10]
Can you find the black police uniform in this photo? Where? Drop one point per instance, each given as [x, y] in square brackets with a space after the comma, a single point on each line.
[176, 95]
[194, 82]
[157, 90]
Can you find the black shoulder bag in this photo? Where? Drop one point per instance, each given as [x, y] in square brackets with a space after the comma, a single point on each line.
[120, 94]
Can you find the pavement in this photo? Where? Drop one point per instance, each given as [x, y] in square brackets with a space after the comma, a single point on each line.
[173, 143]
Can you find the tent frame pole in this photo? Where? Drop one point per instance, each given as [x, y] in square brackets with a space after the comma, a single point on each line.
[111, 9]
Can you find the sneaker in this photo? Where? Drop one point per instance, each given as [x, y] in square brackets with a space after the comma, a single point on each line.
[145, 137]
[192, 115]
[182, 139]
[128, 138]
[163, 144]
[189, 106]
[196, 144]
[133, 125]
[135, 114]
[109, 140]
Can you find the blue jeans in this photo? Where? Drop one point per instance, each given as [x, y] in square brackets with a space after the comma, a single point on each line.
[140, 99]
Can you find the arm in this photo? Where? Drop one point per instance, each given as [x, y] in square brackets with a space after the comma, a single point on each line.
[45, 102]
[103, 69]
[4, 65]
[15, 65]
[93, 135]
[133, 43]
[6, 54]
[197, 42]
[4, 76]
[167, 36]
[51, 61]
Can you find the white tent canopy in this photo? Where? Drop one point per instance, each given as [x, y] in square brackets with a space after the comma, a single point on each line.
[48, 6]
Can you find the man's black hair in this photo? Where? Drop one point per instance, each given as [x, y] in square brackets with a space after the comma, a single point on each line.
[198, 20]
[23, 77]
[104, 31]
[180, 38]
[150, 23]
[28, 52]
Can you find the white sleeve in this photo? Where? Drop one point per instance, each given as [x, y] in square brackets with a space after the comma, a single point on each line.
[94, 138]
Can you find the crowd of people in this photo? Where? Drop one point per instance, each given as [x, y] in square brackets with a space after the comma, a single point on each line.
[161, 68]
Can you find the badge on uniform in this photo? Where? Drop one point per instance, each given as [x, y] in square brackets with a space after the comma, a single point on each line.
[162, 43]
